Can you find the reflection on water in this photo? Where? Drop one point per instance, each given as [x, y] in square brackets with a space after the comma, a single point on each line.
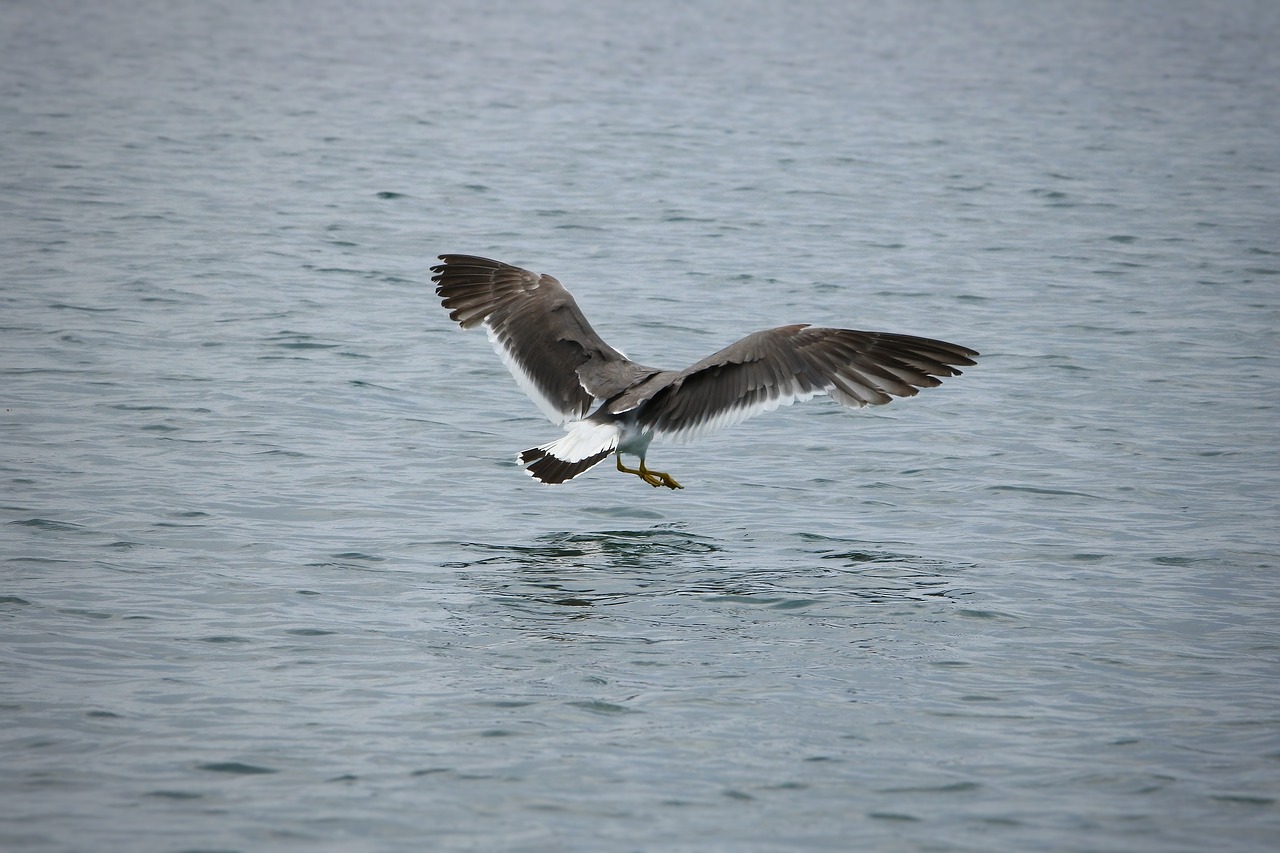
[614, 549]
[584, 569]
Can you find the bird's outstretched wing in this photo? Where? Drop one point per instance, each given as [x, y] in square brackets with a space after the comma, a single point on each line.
[535, 326]
[778, 367]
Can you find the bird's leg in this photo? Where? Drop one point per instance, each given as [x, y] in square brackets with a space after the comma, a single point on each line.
[641, 472]
[653, 478]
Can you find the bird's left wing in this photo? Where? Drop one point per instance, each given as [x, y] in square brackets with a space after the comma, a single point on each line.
[778, 367]
[533, 323]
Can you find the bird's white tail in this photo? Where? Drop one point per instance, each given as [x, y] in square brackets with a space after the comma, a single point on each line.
[586, 444]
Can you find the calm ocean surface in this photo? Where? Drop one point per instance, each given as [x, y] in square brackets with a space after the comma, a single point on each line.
[272, 579]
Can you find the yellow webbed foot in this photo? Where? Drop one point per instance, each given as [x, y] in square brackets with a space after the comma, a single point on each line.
[653, 478]
[669, 481]
[657, 478]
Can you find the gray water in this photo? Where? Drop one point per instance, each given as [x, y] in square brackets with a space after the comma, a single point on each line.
[273, 580]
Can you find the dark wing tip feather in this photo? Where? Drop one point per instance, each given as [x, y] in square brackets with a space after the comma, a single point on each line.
[473, 288]
[921, 362]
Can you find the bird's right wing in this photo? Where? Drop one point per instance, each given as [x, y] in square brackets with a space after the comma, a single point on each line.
[534, 325]
[781, 366]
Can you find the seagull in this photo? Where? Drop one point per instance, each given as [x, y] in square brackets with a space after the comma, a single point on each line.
[537, 328]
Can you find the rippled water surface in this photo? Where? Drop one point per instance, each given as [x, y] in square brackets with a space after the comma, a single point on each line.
[273, 580]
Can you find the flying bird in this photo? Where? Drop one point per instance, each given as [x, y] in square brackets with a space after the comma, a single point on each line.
[568, 370]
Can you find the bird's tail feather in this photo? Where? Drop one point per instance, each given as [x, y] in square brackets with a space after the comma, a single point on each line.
[585, 446]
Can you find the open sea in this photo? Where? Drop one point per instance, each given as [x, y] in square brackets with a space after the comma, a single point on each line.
[271, 579]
